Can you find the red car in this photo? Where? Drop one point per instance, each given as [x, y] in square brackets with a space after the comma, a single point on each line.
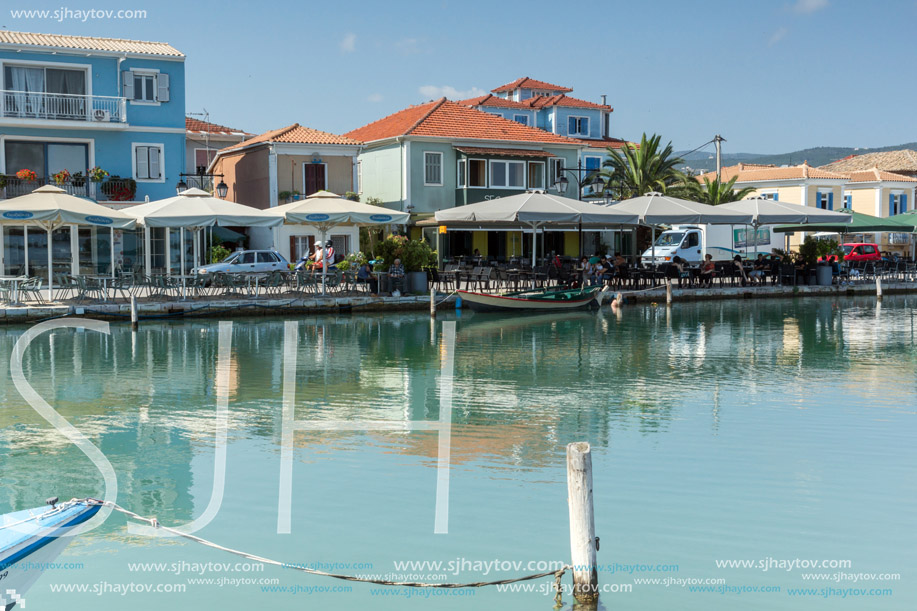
[861, 252]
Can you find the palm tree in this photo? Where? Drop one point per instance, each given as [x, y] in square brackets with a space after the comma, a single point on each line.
[632, 171]
[714, 192]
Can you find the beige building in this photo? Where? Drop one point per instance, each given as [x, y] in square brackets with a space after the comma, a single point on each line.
[284, 165]
[884, 194]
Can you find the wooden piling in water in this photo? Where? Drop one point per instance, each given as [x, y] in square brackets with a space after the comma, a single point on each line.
[878, 287]
[134, 318]
[433, 303]
[668, 291]
[582, 522]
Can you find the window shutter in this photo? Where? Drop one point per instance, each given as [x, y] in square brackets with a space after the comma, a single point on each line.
[891, 204]
[571, 125]
[163, 84]
[831, 201]
[155, 171]
[903, 203]
[143, 161]
[127, 84]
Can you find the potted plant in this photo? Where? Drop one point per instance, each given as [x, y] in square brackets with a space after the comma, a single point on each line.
[61, 178]
[119, 189]
[415, 255]
[284, 196]
[27, 175]
[77, 179]
[807, 256]
[96, 174]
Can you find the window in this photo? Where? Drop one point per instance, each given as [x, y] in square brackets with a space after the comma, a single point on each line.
[770, 196]
[507, 174]
[246, 258]
[266, 257]
[593, 164]
[523, 119]
[897, 203]
[868, 249]
[477, 173]
[460, 173]
[148, 162]
[203, 157]
[848, 201]
[341, 244]
[557, 170]
[20, 81]
[536, 175]
[578, 126]
[433, 169]
[145, 86]
[825, 201]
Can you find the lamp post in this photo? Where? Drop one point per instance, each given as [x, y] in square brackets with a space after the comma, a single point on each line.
[221, 189]
[563, 182]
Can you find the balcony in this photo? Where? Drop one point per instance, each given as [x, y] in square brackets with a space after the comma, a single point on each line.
[63, 107]
[109, 190]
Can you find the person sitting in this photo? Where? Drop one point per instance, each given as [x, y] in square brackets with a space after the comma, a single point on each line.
[365, 274]
[604, 270]
[740, 269]
[328, 252]
[586, 272]
[706, 270]
[396, 276]
[317, 257]
[620, 263]
[760, 269]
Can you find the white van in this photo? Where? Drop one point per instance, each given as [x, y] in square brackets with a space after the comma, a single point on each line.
[723, 242]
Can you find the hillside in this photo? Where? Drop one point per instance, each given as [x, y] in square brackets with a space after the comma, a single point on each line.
[705, 160]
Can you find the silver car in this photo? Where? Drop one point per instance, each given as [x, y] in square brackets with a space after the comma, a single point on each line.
[247, 262]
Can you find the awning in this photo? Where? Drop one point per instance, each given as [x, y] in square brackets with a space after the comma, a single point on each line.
[473, 150]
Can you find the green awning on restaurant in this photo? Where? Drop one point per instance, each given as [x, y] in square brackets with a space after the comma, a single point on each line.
[861, 223]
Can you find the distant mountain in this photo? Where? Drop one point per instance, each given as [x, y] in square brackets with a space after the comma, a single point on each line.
[706, 161]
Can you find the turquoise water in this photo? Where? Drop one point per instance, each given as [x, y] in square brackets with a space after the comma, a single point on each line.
[766, 431]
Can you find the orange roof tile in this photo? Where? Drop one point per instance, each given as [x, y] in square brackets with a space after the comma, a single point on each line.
[877, 175]
[445, 119]
[615, 143]
[196, 125]
[538, 101]
[529, 83]
[904, 160]
[89, 43]
[294, 134]
[475, 150]
[492, 100]
[749, 172]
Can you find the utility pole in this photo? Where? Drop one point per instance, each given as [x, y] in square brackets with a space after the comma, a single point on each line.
[717, 139]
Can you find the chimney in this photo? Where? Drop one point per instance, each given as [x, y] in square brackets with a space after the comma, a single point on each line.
[604, 100]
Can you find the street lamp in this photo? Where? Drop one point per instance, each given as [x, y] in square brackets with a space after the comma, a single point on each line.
[222, 189]
[181, 186]
[597, 184]
[561, 185]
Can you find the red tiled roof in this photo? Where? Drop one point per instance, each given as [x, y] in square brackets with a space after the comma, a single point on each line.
[198, 126]
[295, 134]
[877, 175]
[529, 83]
[445, 119]
[89, 43]
[615, 143]
[538, 101]
[474, 150]
[752, 172]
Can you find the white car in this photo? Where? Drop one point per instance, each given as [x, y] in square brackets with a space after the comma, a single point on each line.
[247, 262]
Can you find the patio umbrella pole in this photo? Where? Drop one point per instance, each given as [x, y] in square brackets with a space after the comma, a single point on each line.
[181, 241]
[324, 262]
[112, 248]
[50, 277]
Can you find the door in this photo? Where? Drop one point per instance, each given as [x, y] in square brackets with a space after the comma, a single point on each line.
[692, 249]
[313, 177]
[301, 245]
[245, 263]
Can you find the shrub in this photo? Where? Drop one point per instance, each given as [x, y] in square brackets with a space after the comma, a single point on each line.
[415, 255]
[218, 253]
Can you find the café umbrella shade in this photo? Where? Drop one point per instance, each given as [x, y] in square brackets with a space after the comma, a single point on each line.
[773, 212]
[857, 223]
[658, 209]
[325, 210]
[51, 207]
[195, 209]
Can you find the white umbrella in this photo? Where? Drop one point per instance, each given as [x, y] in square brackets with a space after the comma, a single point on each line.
[50, 207]
[325, 210]
[536, 210]
[658, 209]
[195, 209]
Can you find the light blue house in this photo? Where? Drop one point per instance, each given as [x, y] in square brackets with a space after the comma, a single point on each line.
[74, 108]
[551, 108]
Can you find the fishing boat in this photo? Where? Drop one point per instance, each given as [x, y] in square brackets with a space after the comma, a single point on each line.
[30, 539]
[540, 300]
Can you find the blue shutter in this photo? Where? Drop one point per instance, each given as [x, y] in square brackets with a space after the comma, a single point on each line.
[891, 205]
[831, 201]
[571, 125]
[903, 205]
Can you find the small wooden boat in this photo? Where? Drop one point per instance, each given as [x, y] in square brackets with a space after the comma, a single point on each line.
[30, 539]
[540, 300]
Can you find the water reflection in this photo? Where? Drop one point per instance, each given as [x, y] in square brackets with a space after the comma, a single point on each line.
[524, 387]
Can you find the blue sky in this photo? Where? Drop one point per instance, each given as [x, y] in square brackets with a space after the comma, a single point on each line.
[770, 76]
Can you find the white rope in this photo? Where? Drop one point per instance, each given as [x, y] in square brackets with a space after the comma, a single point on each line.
[59, 508]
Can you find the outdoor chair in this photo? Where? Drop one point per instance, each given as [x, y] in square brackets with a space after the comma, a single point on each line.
[397, 284]
[275, 283]
[305, 282]
[31, 290]
[64, 286]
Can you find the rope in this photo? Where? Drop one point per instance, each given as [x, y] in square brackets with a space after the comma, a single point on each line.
[558, 574]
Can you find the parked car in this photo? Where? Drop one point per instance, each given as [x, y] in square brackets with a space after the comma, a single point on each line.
[861, 252]
[247, 262]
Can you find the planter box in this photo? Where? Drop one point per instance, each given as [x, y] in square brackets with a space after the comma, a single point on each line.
[416, 282]
[823, 275]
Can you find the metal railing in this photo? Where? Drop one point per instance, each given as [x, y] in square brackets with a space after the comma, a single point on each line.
[111, 189]
[63, 107]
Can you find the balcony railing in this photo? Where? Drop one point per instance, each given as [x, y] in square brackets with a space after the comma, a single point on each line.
[110, 189]
[897, 238]
[63, 107]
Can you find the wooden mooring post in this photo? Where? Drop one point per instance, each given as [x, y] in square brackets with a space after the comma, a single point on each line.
[878, 287]
[582, 522]
[668, 291]
[134, 319]
[433, 302]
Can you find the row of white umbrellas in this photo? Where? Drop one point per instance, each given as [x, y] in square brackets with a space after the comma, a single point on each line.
[50, 207]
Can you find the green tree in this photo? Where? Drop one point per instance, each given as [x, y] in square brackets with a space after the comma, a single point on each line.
[632, 171]
[714, 192]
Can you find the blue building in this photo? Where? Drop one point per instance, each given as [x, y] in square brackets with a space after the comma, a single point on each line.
[551, 108]
[71, 103]
[102, 118]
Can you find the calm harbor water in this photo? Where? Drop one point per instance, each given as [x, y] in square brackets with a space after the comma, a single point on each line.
[764, 431]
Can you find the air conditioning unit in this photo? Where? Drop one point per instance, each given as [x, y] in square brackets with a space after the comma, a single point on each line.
[101, 115]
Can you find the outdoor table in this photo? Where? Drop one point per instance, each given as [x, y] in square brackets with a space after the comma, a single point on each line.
[13, 281]
[103, 281]
[184, 279]
[254, 282]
